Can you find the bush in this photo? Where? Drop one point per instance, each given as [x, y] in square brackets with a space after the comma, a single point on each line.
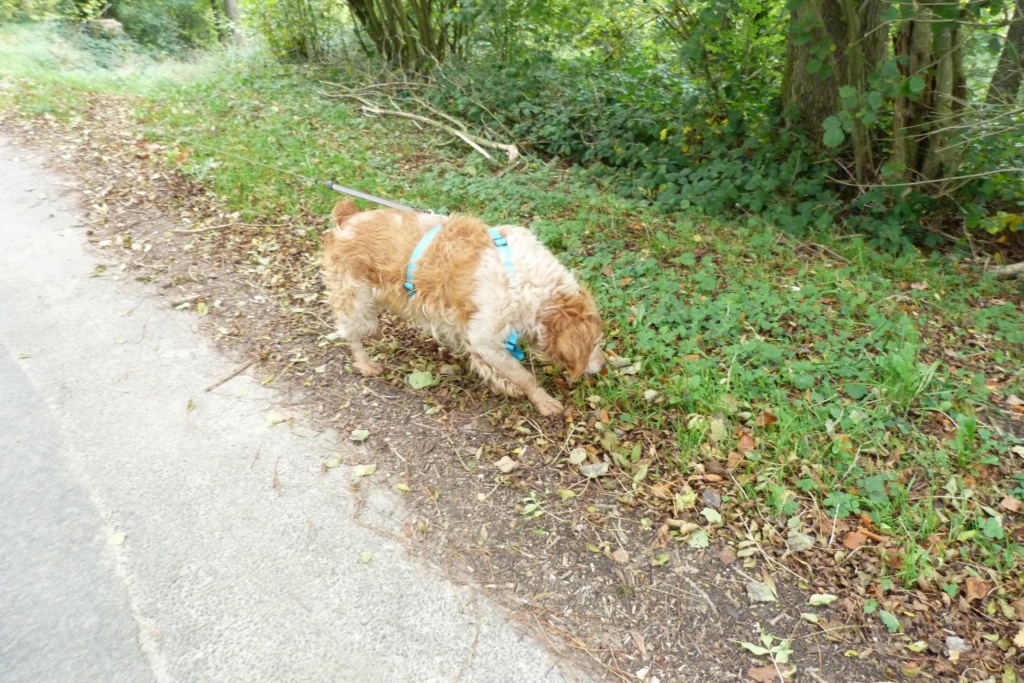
[171, 26]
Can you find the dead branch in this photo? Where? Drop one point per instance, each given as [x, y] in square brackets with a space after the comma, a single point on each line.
[1012, 270]
[474, 141]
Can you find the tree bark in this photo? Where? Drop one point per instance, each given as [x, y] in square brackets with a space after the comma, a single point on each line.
[830, 41]
[1007, 78]
[231, 12]
[925, 116]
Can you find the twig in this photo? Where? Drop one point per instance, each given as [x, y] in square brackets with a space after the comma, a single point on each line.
[1012, 270]
[229, 225]
[234, 373]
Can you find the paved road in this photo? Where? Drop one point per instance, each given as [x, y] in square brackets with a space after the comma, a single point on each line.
[140, 540]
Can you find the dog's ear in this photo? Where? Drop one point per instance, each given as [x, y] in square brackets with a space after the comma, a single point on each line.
[572, 327]
[343, 210]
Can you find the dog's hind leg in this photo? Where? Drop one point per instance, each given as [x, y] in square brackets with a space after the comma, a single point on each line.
[356, 314]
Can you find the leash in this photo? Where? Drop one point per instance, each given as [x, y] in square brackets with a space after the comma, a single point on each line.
[329, 184]
[511, 342]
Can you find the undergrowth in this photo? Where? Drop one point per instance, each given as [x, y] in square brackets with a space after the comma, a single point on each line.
[830, 377]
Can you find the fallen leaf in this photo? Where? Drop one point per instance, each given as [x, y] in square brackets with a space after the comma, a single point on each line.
[363, 470]
[620, 556]
[819, 599]
[712, 515]
[854, 540]
[976, 588]
[746, 442]
[765, 419]
[594, 469]
[718, 430]
[507, 465]
[957, 644]
[421, 380]
[116, 538]
[734, 459]
[1018, 639]
[763, 674]
[911, 670]
[698, 539]
[662, 490]
[892, 624]
[274, 417]
[1010, 504]
[799, 542]
[760, 592]
[577, 456]
[359, 435]
[810, 617]
[727, 555]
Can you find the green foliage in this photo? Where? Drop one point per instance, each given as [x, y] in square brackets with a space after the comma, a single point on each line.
[296, 29]
[167, 25]
[24, 10]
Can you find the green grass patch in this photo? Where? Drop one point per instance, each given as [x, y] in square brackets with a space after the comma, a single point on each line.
[830, 376]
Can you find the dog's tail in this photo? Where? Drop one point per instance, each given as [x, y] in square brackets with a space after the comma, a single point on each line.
[343, 210]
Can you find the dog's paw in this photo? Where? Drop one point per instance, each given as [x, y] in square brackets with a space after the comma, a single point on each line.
[368, 368]
[547, 406]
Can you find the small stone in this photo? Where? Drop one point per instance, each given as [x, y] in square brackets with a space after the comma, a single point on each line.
[712, 499]
[641, 674]
[506, 465]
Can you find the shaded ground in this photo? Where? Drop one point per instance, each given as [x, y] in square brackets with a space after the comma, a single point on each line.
[580, 559]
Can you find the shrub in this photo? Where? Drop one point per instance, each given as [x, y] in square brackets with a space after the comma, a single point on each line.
[168, 25]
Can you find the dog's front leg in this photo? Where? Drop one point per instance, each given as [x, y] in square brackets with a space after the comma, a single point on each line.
[501, 370]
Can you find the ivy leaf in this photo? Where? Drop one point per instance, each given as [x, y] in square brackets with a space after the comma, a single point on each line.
[916, 84]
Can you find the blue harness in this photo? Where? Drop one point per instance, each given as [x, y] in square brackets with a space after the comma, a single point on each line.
[512, 341]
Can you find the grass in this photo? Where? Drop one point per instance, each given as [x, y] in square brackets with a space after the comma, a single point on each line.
[830, 376]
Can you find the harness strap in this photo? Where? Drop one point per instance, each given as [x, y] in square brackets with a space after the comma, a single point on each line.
[511, 343]
[416, 253]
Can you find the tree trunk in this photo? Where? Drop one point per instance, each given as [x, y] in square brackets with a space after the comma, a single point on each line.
[231, 12]
[828, 43]
[1007, 78]
[927, 113]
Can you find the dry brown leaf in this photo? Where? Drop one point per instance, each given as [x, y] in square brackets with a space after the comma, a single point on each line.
[620, 556]
[765, 419]
[1010, 504]
[734, 459]
[605, 418]
[727, 555]
[976, 588]
[763, 674]
[662, 489]
[854, 540]
[746, 442]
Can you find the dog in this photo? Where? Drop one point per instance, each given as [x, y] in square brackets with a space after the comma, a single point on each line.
[476, 289]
